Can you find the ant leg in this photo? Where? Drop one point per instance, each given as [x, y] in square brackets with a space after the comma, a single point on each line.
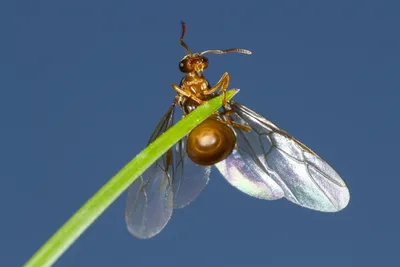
[235, 124]
[222, 85]
[228, 120]
[187, 94]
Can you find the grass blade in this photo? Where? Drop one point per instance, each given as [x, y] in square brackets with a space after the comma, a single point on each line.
[95, 206]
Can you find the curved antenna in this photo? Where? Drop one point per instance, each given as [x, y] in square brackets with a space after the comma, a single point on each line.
[237, 50]
[183, 35]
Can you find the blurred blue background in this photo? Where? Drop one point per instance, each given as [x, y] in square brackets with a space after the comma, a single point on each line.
[83, 84]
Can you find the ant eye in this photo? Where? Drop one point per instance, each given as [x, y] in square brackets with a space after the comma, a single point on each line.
[184, 66]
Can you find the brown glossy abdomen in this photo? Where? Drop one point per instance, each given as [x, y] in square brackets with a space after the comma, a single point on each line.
[210, 142]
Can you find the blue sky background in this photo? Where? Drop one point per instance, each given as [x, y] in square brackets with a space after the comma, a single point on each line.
[83, 84]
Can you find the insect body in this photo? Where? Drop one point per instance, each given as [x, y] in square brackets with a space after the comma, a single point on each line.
[213, 140]
[252, 153]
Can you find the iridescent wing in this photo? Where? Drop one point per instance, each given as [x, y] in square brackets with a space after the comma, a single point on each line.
[190, 178]
[150, 198]
[173, 181]
[268, 163]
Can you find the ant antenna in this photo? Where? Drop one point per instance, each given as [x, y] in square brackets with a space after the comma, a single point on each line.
[237, 50]
[182, 35]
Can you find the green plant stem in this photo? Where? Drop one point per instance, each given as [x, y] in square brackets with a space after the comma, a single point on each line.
[95, 206]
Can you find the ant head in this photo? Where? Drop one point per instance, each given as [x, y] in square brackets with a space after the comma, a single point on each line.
[197, 61]
[193, 62]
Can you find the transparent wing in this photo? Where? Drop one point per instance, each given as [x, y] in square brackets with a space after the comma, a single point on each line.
[173, 181]
[150, 198]
[189, 179]
[269, 163]
[244, 169]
